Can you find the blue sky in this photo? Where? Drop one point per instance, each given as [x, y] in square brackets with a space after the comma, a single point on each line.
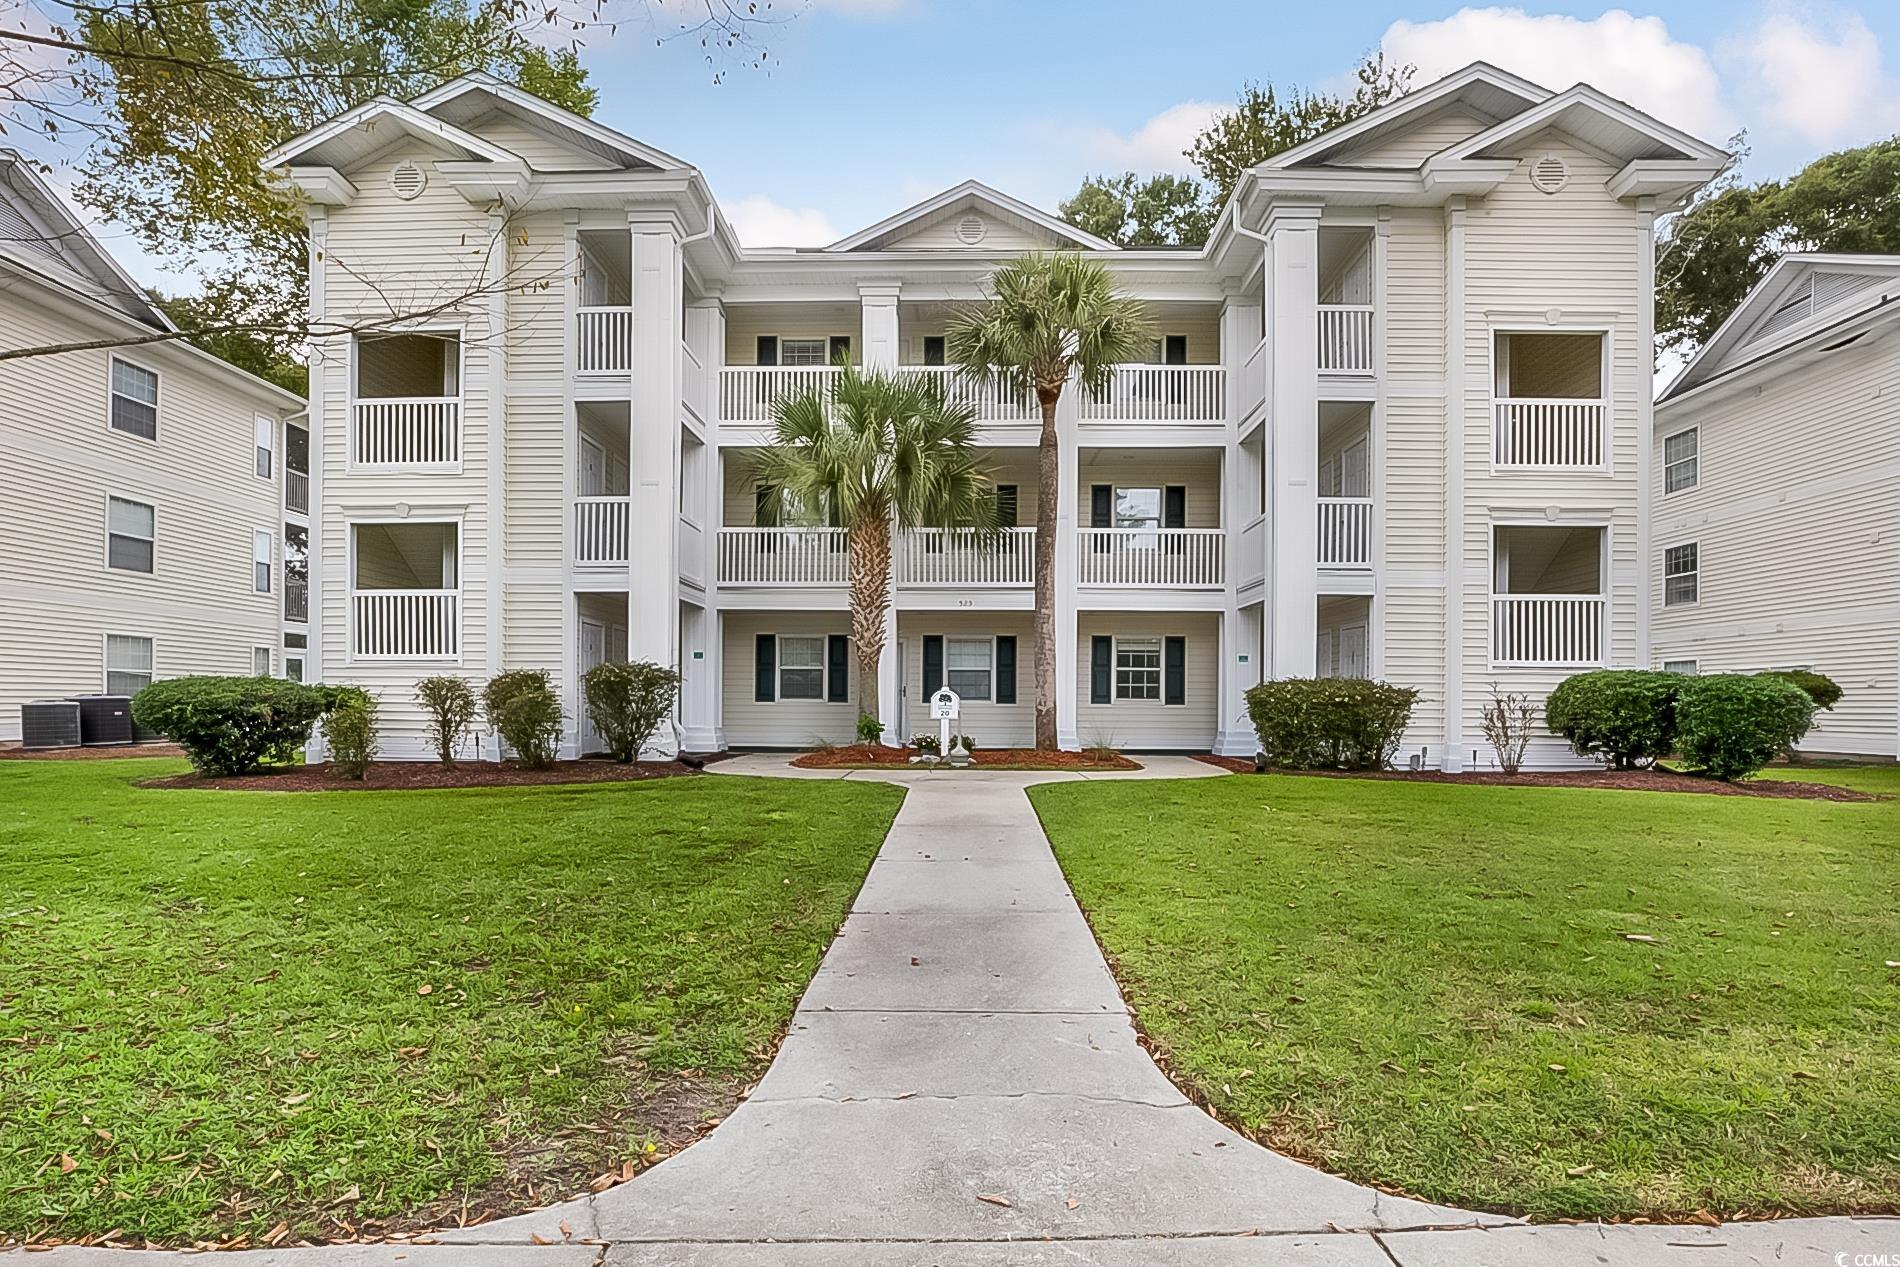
[870, 105]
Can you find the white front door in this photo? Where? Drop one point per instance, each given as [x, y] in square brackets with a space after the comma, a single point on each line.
[593, 652]
[1355, 470]
[1352, 651]
[593, 469]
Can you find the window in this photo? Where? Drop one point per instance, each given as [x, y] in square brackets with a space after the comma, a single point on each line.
[260, 661]
[1680, 666]
[1138, 508]
[131, 528]
[1680, 575]
[260, 562]
[1138, 668]
[134, 399]
[293, 667]
[801, 667]
[266, 432]
[128, 664]
[1680, 452]
[802, 352]
[967, 664]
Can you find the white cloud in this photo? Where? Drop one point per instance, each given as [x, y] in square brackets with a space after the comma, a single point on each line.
[761, 222]
[1815, 77]
[1155, 146]
[1631, 58]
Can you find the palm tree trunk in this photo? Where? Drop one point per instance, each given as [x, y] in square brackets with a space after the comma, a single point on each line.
[869, 544]
[1048, 492]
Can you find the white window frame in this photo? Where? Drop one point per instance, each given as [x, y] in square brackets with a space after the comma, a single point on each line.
[824, 354]
[1116, 694]
[1606, 392]
[1675, 666]
[270, 658]
[105, 656]
[264, 454]
[112, 393]
[823, 666]
[267, 539]
[153, 539]
[1693, 461]
[1695, 573]
[989, 689]
[350, 526]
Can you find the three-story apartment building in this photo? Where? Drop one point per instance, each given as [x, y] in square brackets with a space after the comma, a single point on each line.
[1395, 422]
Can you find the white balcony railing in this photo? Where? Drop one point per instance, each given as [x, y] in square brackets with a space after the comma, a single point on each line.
[297, 491]
[604, 340]
[1143, 393]
[413, 431]
[1190, 557]
[935, 557]
[1549, 630]
[1345, 532]
[990, 401]
[600, 530]
[405, 624]
[746, 392]
[1548, 433]
[1345, 338]
[782, 556]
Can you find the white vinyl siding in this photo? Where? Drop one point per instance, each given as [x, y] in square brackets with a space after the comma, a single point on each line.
[131, 535]
[1681, 575]
[1147, 723]
[134, 400]
[1682, 460]
[781, 723]
[129, 662]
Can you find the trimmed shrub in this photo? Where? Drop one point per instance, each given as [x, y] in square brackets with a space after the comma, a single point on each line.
[1626, 717]
[1732, 724]
[1822, 689]
[524, 708]
[450, 704]
[231, 725]
[349, 729]
[627, 703]
[1330, 723]
[870, 729]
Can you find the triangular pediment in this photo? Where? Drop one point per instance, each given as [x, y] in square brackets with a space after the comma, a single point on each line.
[971, 217]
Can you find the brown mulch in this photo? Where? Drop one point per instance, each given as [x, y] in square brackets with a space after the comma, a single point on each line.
[880, 757]
[1652, 780]
[399, 775]
[1234, 765]
[14, 752]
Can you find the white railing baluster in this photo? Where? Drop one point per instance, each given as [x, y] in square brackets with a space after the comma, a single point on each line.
[1165, 393]
[1191, 558]
[418, 432]
[1345, 532]
[747, 392]
[603, 342]
[1345, 338]
[782, 556]
[600, 530]
[1547, 630]
[405, 624]
[1549, 434]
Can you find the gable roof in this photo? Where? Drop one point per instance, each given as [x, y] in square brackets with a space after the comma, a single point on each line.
[1614, 128]
[1480, 87]
[362, 131]
[969, 194]
[464, 100]
[1801, 295]
[39, 234]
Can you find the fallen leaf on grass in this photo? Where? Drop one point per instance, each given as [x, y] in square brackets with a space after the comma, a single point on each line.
[1557, 1069]
[996, 1198]
[354, 1195]
[1578, 1172]
[66, 1164]
[410, 1053]
[425, 989]
[293, 1100]
[1645, 938]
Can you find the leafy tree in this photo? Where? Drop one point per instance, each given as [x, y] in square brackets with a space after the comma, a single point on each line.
[1180, 211]
[225, 321]
[1049, 317]
[1712, 254]
[882, 451]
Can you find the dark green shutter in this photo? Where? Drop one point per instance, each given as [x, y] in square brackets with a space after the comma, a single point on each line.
[768, 350]
[1006, 503]
[838, 668]
[933, 664]
[840, 345]
[1006, 670]
[1174, 670]
[1101, 669]
[1174, 506]
[765, 668]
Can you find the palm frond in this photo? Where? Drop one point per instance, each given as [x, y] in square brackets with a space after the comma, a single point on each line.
[1049, 317]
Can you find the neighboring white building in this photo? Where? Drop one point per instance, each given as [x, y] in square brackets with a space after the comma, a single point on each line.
[143, 527]
[1777, 494]
[1395, 423]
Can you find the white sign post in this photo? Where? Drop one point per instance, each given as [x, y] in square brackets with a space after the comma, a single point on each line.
[945, 707]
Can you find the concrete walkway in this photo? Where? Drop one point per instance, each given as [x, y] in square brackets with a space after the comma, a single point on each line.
[961, 1086]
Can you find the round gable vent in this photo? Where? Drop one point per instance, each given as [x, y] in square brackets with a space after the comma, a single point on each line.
[971, 229]
[407, 180]
[1550, 174]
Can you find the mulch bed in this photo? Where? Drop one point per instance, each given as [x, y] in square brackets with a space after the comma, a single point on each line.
[1626, 780]
[13, 752]
[879, 757]
[398, 775]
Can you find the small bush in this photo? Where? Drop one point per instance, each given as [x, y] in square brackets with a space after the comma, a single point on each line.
[1732, 724]
[1626, 717]
[523, 706]
[627, 703]
[230, 725]
[870, 729]
[1822, 689]
[450, 704]
[349, 729]
[1506, 722]
[1330, 723]
[1100, 747]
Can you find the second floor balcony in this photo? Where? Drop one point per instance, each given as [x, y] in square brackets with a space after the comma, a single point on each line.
[1134, 393]
[406, 400]
[1179, 558]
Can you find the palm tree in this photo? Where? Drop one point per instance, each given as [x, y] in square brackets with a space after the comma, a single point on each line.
[878, 452]
[1049, 318]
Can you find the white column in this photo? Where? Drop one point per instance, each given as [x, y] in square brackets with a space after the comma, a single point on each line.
[879, 332]
[321, 359]
[494, 455]
[1068, 523]
[1292, 284]
[570, 489]
[653, 445]
[1239, 335]
[1455, 422]
[1645, 434]
[700, 651]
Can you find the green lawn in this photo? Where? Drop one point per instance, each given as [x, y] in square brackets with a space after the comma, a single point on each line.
[1428, 986]
[219, 1010]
